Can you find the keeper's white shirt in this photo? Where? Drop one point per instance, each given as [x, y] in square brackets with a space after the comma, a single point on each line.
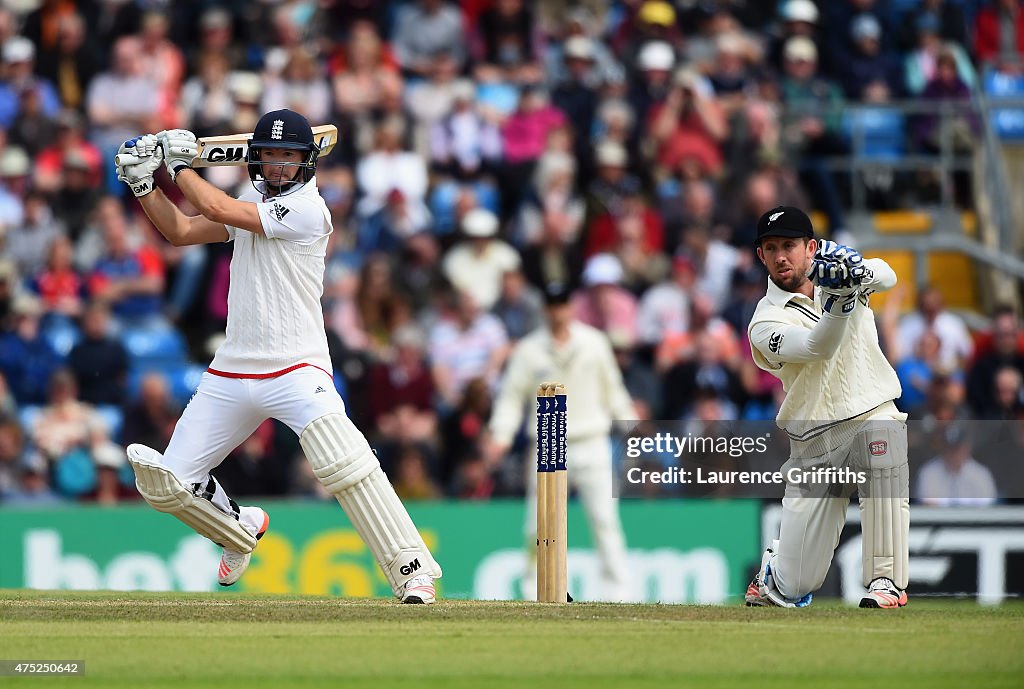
[827, 379]
[275, 321]
[585, 365]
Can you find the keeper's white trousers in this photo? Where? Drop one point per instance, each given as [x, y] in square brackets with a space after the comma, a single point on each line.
[223, 412]
[811, 525]
[589, 464]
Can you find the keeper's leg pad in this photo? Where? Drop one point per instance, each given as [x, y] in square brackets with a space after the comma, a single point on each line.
[162, 489]
[885, 502]
[346, 466]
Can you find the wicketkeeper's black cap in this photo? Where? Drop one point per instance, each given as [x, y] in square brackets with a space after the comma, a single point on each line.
[784, 221]
[556, 293]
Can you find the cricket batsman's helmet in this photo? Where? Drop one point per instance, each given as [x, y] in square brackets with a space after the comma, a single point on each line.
[283, 129]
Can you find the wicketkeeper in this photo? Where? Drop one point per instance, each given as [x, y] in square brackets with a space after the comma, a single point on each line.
[274, 361]
[815, 332]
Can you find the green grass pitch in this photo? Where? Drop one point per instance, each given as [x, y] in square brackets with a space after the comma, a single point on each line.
[143, 640]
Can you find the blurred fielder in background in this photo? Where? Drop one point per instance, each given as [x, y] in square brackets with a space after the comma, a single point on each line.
[274, 361]
[815, 332]
[580, 357]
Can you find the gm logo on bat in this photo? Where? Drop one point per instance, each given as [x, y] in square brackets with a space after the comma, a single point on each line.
[222, 155]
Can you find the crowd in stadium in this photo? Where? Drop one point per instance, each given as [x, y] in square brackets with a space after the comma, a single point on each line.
[487, 148]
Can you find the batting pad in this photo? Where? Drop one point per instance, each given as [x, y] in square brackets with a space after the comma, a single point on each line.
[885, 505]
[344, 463]
[162, 489]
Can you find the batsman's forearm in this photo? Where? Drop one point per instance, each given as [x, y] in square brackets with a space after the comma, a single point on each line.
[171, 222]
[206, 198]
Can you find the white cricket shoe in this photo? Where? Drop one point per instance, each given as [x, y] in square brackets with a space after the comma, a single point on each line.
[233, 563]
[767, 593]
[883, 593]
[419, 590]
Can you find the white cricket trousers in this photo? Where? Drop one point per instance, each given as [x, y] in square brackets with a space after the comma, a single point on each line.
[223, 412]
[589, 463]
[811, 526]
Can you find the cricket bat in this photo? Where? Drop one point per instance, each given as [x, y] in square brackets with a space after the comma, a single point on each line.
[233, 149]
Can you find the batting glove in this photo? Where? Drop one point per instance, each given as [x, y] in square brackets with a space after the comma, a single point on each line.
[136, 161]
[180, 149]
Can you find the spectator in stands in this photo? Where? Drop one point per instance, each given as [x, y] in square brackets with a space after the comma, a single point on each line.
[715, 261]
[840, 15]
[388, 167]
[463, 428]
[463, 142]
[916, 368]
[50, 163]
[811, 126]
[400, 389]
[164, 64]
[798, 18]
[99, 361]
[151, 417]
[955, 478]
[665, 307]
[72, 63]
[636, 237]
[1006, 351]
[19, 76]
[603, 303]
[130, 279]
[32, 485]
[747, 289]
[28, 242]
[15, 455]
[581, 50]
[706, 329]
[520, 305]
[931, 314]
[27, 359]
[655, 62]
[1007, 396]
[999, 32]
[506, 30]
[467, 343]
[689, 128]
[412, 477]
[299, 86]
[207, 103]
[612, 183]
[58, 284]
[75, 440]
[948, 15]
[525, 138]
[921, 64]
[477, 264]
[122, 102]
[550, 200]
[423, 29]
[871, 73]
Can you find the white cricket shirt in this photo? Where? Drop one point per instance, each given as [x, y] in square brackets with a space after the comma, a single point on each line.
[827, 379]
[275, 321]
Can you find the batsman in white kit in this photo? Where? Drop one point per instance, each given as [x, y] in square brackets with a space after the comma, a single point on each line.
[274, 361]
[815, 332]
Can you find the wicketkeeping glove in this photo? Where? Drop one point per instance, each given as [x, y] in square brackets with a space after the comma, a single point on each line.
[180, 149]
[136, 161]
[840, 253]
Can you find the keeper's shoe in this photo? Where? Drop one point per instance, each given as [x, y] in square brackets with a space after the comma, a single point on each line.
[419, 590]
[766, 593]
[883, 593]
[233, 563]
